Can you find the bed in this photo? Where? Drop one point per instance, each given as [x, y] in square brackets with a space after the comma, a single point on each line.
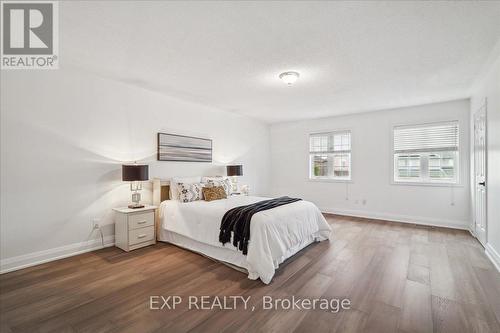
[276, 234]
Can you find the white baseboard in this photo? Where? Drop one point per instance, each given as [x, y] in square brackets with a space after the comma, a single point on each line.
[493, 255]
[463, 225]
[36, 258]
[40, 257]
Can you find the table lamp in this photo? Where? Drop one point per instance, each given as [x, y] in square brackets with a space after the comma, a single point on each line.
[135, 174]
[234, 171]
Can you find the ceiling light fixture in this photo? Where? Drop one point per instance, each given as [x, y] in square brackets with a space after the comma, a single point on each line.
[289, 77]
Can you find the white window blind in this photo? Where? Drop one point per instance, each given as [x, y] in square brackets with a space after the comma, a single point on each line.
[426, 138]
[426, 153]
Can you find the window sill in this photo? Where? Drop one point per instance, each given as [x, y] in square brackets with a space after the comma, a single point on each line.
[329, 180]
[436, 184]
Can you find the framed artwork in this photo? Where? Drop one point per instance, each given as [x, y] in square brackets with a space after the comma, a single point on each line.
[182, 148]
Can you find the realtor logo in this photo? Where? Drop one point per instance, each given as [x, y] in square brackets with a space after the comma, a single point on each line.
[29, 35]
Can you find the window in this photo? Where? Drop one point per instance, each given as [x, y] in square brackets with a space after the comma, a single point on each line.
[330, 155]
[426, 153]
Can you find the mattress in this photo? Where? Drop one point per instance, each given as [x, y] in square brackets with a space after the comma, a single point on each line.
[275, 234]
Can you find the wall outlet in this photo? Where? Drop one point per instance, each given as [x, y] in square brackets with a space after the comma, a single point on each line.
[364, 202]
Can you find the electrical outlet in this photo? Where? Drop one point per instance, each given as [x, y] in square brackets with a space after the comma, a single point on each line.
[364, 202]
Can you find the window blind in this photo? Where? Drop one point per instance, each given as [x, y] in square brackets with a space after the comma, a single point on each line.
[426, 138]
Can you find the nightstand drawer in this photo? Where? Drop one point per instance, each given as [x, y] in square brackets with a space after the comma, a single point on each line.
[141, 235]
[141, 220]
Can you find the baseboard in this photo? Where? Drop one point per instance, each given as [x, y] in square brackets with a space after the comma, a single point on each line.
[462, 225]
[40, 257]
[36, 258]
[493, 255]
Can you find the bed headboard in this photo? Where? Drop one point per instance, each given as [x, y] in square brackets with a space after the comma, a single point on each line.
[161, 192]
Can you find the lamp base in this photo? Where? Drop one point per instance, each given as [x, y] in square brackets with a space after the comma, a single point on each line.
[136, 199]
[135, 206]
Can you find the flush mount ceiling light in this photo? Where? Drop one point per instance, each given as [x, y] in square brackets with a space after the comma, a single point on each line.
[289, 77]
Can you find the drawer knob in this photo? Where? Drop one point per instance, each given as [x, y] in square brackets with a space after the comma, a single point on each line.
[142, 222]
[141, 236]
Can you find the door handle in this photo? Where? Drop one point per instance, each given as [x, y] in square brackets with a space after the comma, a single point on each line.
[482, 183]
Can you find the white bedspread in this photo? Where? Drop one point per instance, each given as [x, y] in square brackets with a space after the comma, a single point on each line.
[275, 234]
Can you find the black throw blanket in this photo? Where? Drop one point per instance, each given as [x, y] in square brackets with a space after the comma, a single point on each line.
[237, 221]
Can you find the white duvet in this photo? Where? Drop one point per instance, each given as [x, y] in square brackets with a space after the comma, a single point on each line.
[275, 234]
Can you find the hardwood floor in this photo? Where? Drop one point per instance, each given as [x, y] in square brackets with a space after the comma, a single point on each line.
[399, 278]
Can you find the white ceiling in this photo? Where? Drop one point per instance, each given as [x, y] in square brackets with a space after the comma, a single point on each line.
[352, 56]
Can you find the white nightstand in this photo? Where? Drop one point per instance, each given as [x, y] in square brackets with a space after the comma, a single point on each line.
[242, 190]
[134, 228]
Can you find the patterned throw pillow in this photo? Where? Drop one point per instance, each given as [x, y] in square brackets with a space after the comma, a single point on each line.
[214, 193]
[190, 192]
[219, 181]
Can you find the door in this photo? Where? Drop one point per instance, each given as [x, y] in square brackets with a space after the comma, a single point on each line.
[480, 223]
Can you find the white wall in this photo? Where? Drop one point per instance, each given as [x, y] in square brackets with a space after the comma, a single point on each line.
[489, 88]
[371, 167]
[64, 135]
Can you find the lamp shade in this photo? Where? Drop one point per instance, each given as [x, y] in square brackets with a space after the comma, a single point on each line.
[234, 170]
[135, 172]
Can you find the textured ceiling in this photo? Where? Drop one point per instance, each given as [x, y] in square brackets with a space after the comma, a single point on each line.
[352, 56]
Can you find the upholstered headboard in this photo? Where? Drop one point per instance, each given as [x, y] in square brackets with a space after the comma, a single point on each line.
[161, 192]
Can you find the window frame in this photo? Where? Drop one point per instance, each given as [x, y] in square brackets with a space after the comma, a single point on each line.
[309, 154]
[427, 181]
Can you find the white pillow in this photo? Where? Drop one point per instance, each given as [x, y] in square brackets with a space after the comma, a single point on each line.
[190, 192]
[174, 190]
[206, 179]
[219, 181]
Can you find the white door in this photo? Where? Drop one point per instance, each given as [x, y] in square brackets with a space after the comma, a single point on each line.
[480, 174]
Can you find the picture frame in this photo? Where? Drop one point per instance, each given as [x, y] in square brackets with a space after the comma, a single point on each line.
[183, 148]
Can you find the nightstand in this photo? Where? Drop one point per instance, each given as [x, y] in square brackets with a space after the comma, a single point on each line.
[134, 228]
[242, 190]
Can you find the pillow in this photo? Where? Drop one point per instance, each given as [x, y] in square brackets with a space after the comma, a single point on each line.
[190, 192]
[214, 193]
[207, 179]
[218, 181]
[174, 191]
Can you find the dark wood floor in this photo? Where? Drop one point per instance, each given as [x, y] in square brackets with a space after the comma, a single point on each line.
[399, 278]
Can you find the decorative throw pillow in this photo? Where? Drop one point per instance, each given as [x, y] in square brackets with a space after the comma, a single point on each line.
[219, 181]
[206, 179]
[174, 188]
[214, 193]
[190, 192]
